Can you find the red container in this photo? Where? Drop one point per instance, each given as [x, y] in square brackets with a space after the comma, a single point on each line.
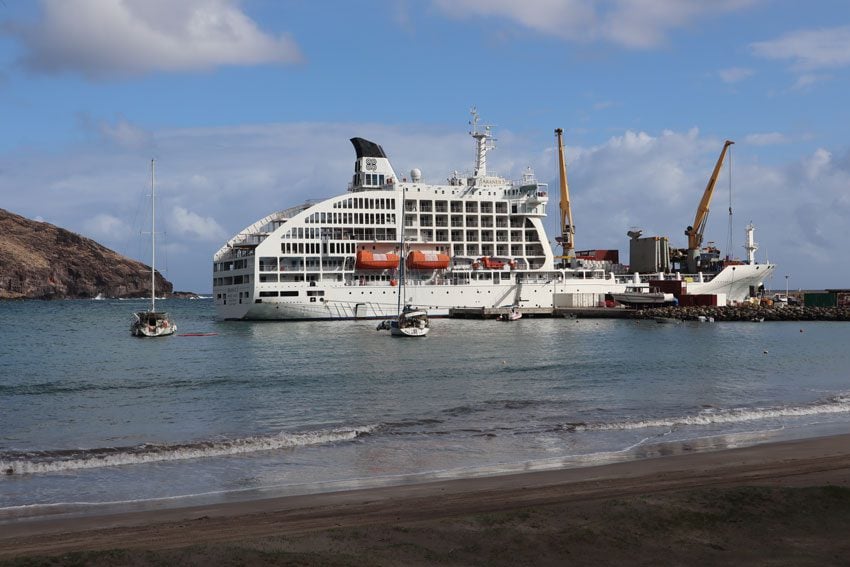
[676, 287]
[701, 300]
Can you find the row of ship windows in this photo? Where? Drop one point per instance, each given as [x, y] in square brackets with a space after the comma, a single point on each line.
[372, 279]
[369, 233]
[427, 206]
[371, 179]
[316, 248]
[365, 203]
[350, 218]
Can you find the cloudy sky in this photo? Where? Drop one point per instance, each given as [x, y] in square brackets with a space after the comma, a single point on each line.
[248, 106]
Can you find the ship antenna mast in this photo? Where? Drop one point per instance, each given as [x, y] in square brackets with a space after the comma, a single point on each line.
[568, 231]
[484, 143]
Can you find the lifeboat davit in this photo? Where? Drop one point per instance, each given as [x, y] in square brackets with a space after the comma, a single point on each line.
[417, 260]
[367, 260]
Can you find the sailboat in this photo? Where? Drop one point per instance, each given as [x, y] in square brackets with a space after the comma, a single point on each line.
[410, 322]
[152, 323]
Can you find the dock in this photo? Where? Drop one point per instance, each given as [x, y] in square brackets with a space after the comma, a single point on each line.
[541, 312]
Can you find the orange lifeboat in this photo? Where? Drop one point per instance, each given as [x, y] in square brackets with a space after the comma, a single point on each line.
[427, 260]
[491, 264]
[367, 260]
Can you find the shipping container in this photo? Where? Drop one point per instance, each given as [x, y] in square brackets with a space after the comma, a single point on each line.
[612, 256]
[676, 287]
[700, 300]
[820, 299]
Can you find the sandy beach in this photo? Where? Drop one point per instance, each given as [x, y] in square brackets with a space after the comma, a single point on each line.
[784, 503]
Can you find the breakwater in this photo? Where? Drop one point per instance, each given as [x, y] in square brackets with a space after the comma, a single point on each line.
[747, 313]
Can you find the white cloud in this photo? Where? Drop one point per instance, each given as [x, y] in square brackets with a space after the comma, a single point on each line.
[734, 74]
[102, 39]
[106, 227]
[766, 139]
[818, 164]
[809, 49]
[119, 131]
[630, 23]
[807, 80]
[192, 225]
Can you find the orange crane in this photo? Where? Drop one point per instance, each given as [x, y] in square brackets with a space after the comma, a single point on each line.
[568, 231]
[695, 231]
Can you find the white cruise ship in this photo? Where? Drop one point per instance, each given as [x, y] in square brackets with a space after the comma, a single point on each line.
[476, 241]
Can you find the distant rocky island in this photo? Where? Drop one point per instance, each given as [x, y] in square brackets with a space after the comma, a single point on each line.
[41, 261]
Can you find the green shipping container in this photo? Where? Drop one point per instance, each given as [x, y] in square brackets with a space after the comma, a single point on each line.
[820, 299]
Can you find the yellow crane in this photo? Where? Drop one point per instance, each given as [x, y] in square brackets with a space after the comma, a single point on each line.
[695, 231]
[568, 231]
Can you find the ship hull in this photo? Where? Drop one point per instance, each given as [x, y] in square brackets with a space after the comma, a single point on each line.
[736, 283]
[340, 302]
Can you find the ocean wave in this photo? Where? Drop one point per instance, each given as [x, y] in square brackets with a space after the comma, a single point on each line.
[490, 405]
[74, 387]
[34, 462]
[711, 416]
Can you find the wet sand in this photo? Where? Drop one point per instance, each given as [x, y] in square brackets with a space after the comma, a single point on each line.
[785, 503]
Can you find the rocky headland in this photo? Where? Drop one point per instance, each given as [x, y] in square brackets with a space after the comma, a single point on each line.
[41, 261]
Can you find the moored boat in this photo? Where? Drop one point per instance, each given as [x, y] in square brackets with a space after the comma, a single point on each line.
[411, 322]
[152, 323]
[513, 314]
[635, 296]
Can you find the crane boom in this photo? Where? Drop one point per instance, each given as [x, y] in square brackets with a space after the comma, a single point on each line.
[696, 230]
[567, 229]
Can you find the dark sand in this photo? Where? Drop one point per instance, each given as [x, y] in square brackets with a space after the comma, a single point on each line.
[783, 503]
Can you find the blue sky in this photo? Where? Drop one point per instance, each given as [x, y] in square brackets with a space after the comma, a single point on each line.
[248, 107]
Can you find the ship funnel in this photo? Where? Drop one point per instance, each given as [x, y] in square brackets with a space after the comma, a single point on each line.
[372, 168]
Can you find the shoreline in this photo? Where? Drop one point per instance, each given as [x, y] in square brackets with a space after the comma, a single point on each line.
[819, 461]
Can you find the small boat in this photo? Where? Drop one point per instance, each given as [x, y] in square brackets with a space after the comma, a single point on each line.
[411, 322]
[635, 296]
[668, 321]
[152, 323]
[367, 260]
[511, 315]
[419, 260]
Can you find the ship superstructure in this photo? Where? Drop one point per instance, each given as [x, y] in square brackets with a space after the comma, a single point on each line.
[476, 240]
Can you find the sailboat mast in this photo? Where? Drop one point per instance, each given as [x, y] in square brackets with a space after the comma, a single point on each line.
[401, 264]
[153, 235]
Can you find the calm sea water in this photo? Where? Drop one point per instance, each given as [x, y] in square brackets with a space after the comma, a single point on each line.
[92, 418]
